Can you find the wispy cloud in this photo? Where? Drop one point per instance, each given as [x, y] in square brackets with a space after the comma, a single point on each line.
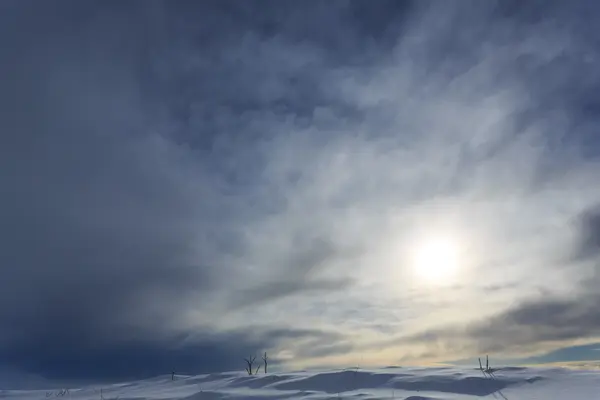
[187, 175]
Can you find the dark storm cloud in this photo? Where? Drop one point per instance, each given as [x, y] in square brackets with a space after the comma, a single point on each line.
[135, 358]
[127, 162]
[111, 225]
[132, 360]
[96, 243]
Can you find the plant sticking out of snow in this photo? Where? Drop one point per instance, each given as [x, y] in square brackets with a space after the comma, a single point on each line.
[265, 359]
[487, 371]
[60, 393]
[250, 362]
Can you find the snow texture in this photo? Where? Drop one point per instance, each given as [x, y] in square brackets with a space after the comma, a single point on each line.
[387, 383]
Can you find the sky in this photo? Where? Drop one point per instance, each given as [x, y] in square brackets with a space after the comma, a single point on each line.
[337, 183]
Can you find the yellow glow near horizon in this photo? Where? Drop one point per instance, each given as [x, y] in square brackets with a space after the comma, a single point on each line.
[436, 260]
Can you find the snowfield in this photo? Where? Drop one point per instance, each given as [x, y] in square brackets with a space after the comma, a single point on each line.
[386, 383]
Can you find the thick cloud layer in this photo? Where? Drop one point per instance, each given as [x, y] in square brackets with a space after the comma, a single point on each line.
[186, 184]
[119, 206]
[108, 233]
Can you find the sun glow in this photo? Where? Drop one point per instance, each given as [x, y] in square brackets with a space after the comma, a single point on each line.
[436, 260]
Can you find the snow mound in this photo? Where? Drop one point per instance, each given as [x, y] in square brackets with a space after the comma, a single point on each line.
[386, 383]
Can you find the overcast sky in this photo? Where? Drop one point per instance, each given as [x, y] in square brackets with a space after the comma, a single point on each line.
[184, 184]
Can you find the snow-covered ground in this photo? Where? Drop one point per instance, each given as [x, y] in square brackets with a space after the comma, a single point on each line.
[387, 383]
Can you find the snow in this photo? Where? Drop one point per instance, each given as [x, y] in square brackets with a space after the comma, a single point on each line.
[438, 383]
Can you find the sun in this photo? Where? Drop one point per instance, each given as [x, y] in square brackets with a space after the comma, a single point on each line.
[436, 260]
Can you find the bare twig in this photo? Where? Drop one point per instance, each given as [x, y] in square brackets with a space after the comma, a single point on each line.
[249, 362]
[265, 360]
[487, 371]
[60, 393]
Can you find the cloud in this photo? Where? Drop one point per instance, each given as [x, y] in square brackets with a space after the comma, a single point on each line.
[186, 176]
[95, 244]
[554, 318]
[124, 226]
[588, 246]
[299, 266]
[542, 321]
